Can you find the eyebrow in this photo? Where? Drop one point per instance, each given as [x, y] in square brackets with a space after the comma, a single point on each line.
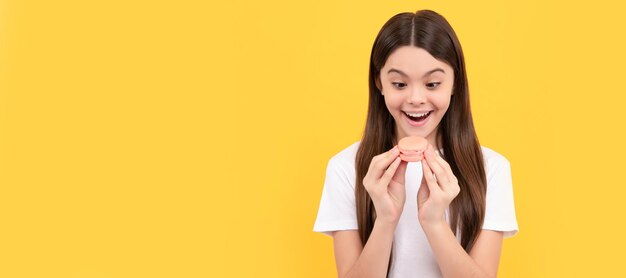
[426, 74]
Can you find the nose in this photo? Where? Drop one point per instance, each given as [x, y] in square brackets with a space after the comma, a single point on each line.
[416, 96]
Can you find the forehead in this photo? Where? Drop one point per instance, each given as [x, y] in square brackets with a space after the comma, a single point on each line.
[413, 61]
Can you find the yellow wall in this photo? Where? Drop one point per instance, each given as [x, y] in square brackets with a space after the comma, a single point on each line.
[186, 139]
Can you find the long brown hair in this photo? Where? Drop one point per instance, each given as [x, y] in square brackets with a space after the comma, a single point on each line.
[428, 30]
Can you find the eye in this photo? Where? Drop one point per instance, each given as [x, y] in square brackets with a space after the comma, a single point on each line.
[432, 85]
[395, 84]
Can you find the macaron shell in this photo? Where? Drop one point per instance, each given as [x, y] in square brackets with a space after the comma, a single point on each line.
[412, 143]
[411, 158]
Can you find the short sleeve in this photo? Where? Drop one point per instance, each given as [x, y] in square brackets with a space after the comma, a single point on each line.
[337, 209]
[500, 205]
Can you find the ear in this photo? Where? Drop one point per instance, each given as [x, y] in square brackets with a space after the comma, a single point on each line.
[378, 85]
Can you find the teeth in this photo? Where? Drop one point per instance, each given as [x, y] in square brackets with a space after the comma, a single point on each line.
[416, 115]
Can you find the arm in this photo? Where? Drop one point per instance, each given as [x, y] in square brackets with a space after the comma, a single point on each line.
[371, 261]
[434, 195]
[455, 262]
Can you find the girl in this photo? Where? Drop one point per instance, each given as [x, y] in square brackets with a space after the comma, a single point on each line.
[460, 197]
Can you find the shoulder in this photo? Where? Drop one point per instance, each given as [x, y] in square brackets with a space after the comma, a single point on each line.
[495, 163]
[340, 169]
[493, 158]
[345, 158]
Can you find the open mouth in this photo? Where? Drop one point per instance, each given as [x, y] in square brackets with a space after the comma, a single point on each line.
[418, 118]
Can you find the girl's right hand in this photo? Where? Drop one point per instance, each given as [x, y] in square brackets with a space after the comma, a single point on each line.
[384, 183]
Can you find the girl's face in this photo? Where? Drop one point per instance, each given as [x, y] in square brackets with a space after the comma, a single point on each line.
[414, 82]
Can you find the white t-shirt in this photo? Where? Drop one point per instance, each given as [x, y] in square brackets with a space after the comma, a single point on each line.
[413, 256]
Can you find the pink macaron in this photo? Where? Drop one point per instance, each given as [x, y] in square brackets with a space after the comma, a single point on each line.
[412, 148]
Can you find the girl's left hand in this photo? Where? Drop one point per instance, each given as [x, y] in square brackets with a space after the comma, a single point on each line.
[437, 190]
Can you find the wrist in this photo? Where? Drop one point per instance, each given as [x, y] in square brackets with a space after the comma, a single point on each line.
[386, 222]
[433, 224]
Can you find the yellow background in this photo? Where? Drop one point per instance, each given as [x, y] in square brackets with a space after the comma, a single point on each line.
[190, 138]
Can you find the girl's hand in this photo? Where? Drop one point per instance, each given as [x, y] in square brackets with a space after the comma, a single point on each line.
[384, 183]
[436, 192]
